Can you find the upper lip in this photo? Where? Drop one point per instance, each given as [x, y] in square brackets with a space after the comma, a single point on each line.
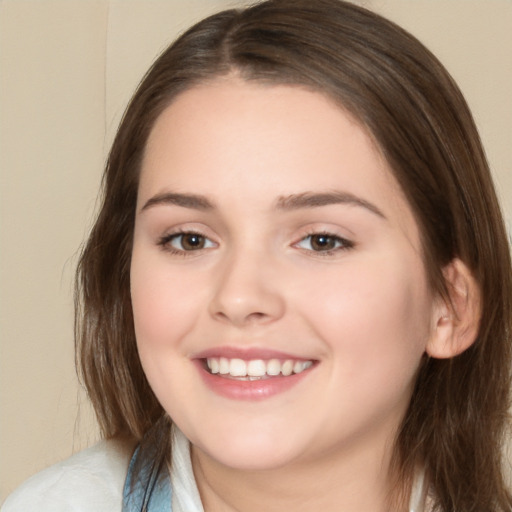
[247, 354]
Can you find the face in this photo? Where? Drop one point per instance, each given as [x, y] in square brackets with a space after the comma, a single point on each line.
[280, 301]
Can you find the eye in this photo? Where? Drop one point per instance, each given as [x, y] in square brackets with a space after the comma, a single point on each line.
[324, 242]
[185, 242]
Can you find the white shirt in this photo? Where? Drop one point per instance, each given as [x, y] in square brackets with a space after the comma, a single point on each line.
[93, 480]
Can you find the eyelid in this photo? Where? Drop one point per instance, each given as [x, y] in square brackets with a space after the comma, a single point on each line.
[342, 243]
[165, 241]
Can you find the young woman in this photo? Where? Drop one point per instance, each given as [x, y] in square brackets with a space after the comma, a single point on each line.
[298, 291]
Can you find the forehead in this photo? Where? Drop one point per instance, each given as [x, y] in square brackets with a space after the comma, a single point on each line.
[237, 117]
[263, 141]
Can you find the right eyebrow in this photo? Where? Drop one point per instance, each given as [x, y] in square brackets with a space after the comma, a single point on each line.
[317, 199]
[193, 201]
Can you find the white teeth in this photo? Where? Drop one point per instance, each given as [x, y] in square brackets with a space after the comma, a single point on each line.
[297, 367]
[238, 368]
[213, 364]
[223, 366]
[287, 368]
[274, 367]
[300, 366]
[255, 368]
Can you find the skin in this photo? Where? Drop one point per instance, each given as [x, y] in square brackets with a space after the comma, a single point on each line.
[363, 312]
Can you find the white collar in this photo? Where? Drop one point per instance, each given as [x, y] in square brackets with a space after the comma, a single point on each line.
[185, 495]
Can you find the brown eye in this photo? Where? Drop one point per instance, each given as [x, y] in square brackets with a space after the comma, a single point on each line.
[192, 241]
[185, 242]
[323, 242]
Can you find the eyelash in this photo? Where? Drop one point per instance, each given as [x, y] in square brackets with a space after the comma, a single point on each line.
[165, 242]
[341, 244]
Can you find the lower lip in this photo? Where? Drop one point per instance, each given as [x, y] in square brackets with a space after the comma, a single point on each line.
[250, 390]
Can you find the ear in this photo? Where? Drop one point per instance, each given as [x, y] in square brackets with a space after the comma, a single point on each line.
[456, 319]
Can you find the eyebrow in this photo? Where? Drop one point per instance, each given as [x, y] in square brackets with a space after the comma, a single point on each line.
[193, 201]
[314, 200]
[287, 203]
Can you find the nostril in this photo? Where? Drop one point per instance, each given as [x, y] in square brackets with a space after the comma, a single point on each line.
[246, 303]
[251, 317]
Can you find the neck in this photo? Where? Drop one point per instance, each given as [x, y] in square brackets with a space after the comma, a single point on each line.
[349, 479]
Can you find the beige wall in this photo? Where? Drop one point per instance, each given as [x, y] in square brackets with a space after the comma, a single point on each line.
[67, 69]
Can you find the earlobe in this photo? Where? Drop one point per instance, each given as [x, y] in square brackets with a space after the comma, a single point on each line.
[456, 319]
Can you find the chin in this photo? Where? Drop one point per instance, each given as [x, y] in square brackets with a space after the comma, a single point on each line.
[249, 453]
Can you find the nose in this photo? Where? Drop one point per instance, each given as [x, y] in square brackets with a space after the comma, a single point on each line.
[247, 291]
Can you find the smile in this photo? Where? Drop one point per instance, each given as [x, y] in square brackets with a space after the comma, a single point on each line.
[251, 374]
[255, 369]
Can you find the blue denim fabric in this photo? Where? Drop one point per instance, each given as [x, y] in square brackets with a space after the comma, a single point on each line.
[138, 496]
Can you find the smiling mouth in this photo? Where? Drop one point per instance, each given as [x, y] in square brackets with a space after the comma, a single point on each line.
[255, 369]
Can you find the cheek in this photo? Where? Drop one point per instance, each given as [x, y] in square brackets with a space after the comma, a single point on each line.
[373, 315]
[165, 309]
[164, 306]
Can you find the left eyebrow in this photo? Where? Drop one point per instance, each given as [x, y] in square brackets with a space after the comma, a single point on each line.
[315, 199]
[193, 201]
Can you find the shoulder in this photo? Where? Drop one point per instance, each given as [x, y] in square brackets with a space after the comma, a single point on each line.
[91, 480]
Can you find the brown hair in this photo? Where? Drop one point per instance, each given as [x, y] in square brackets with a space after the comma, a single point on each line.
[398, 90]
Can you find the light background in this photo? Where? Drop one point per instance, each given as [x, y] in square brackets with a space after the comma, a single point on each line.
[67, 70]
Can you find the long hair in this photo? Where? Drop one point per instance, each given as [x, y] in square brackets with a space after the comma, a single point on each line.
[400, 93]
